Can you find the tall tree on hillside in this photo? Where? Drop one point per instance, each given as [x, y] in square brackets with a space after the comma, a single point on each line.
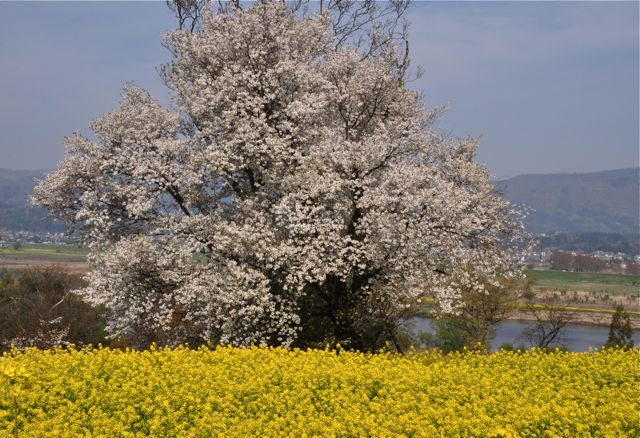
[295, 194]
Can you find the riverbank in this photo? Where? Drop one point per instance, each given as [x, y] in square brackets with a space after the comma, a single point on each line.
[590, 317]
[599, 317]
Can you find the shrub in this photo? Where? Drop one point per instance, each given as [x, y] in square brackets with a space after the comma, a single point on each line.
[39, 309]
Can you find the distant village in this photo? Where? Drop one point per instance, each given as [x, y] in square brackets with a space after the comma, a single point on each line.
[598, 261]
[9, 237]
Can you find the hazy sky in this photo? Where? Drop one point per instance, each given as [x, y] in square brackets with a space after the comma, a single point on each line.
[551, 87]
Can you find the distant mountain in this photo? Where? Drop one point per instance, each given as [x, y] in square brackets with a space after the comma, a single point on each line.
[16, 212]
[15, 186]
[605, 202]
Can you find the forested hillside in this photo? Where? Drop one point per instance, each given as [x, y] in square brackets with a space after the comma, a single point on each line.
[16, 212]
[605, 202]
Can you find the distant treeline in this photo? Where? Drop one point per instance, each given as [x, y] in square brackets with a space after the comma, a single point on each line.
[565, 261]
[590, 243]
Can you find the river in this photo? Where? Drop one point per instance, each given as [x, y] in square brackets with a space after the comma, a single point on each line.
[576, 337]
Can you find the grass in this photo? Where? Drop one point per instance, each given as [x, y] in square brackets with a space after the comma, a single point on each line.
[613, 284]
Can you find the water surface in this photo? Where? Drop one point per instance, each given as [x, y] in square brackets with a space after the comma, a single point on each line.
[576, 337]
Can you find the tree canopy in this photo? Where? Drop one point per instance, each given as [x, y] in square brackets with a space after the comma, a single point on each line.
[295, 192]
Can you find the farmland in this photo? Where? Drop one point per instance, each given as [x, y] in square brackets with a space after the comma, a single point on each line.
[591, 295]
[613, 284]
[45, 251]
[69, 257]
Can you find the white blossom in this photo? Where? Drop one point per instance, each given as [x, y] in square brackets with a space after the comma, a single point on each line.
[287, 169]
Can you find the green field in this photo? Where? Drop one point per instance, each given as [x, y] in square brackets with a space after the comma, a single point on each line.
[612, 284]
[46, 252]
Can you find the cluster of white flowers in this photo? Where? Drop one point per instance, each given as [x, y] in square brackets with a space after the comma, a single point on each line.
[286, 168]
[49, 335]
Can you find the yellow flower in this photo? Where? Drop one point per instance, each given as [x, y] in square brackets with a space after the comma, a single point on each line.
[257, 391]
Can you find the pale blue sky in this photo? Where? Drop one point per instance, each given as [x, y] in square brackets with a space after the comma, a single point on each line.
[551, 86]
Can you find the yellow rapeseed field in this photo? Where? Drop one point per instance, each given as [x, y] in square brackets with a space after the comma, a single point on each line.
[276, 392]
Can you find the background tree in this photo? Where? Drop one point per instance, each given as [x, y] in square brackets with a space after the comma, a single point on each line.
[620, 331]
[548, 322]
[585, 263]
[478, 313]
[447, 335]
[633, 268]
[297, 191]
[561, 261]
